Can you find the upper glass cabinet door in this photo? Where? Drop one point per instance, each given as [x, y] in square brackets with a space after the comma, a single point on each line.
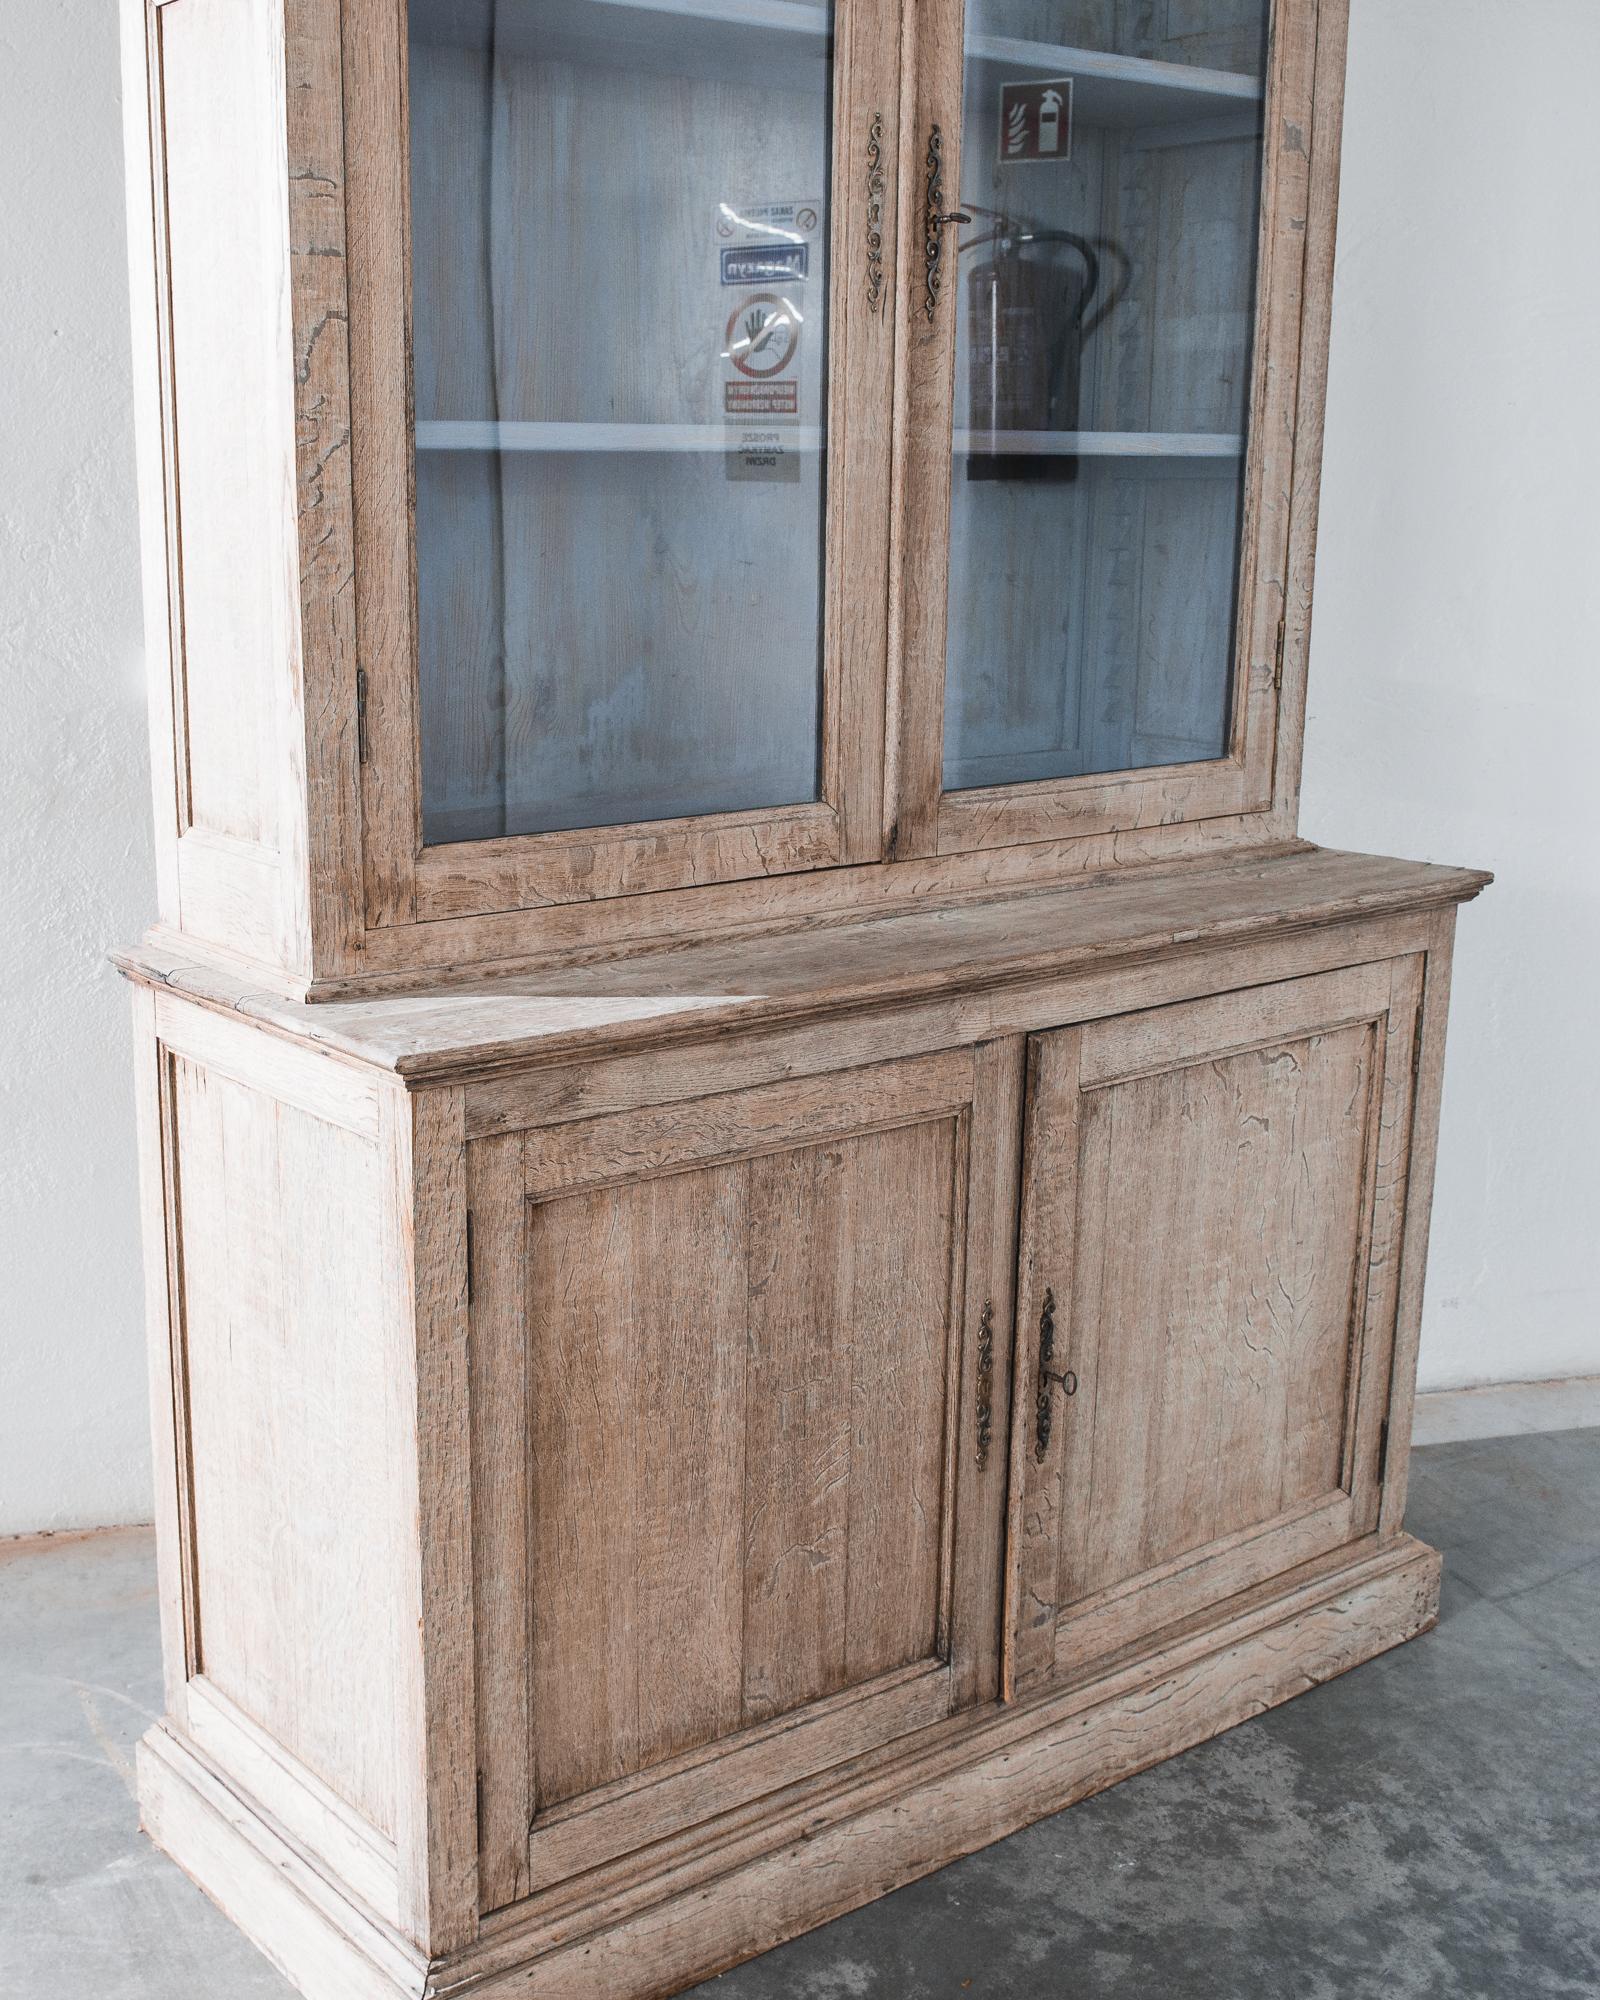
[1104, 266]
[620, 283]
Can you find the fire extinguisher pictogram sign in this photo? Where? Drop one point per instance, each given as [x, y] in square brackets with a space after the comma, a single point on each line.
[1036, 121]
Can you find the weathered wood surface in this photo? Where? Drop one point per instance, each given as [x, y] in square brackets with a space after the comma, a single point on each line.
[1216, 1408]
[281, 1303]
[960, 1787]
[969, 948]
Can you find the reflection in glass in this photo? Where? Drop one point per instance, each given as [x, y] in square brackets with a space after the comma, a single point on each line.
[1111, 163]
[619, 272]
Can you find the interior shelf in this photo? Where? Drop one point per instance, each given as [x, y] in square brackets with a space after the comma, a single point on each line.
[1109, 89]
[1121, 91]
[471, 434]
[1101, 444]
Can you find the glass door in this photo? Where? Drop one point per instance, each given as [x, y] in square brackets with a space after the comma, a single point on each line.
[636, 452]
[1096, 374]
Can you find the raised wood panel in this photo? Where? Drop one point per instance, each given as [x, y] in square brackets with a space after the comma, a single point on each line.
[1212, 1194]
[297, 1526]
[636, 1360]
[738, 1391]
[1216, 1335]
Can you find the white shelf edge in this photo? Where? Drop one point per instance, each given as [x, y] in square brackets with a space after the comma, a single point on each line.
[474, 434]
[1099, 444]
[804, 21]
[1106, 67]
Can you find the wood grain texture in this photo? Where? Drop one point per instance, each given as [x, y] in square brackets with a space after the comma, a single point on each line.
[1427, 1061]
[325, 1943]
[1132, 927]
[168, 1375]
[1333, 20]
[282, 1302]
[809, 1110]
[1211, 1408]
[498, 1388]
[734, 1467]
[747, 1390]
[224, 424]
[315, 1817]
[637, 1477]
[422, 1247]
[923, 420]
[377, 249]
[320, 780]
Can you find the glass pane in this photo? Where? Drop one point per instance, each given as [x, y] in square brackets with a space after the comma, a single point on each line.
[1111, 164]
[619, 276]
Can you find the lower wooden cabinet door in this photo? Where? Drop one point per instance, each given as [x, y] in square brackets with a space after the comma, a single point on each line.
[1212, 1201]
[739, 1464]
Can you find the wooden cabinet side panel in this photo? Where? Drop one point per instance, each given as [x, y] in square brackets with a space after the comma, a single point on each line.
[226, 357]
[298, 1531]
[1412, 1241]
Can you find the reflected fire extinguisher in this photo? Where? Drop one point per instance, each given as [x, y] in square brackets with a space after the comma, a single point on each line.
[1031, 306]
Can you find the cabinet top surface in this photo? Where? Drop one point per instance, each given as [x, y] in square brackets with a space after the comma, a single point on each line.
[665, 995]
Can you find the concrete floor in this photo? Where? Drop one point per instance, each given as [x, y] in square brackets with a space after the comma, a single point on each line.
[1427, 1826]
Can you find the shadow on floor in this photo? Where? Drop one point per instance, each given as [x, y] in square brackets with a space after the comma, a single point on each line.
[1426, 1828]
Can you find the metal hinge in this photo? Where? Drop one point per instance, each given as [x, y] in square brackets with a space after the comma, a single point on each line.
[1277, 658]
[469, 1256]
[362, 747]
[477, 1806]
[1383, 1449]
[1416, 1047]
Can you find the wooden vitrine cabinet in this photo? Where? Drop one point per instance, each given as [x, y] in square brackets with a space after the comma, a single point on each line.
[615, 471]
[785, 1216]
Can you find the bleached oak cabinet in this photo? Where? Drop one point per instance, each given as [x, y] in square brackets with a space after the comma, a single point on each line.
[786, 1219]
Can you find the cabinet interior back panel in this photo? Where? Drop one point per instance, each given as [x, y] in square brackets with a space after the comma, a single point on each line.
[738, 1382]
[1214, 1376]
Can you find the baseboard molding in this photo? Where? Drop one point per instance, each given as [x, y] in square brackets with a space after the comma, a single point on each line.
[1506, 1409]
[679, 1925]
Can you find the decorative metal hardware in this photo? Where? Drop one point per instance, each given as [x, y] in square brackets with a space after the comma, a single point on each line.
[875, 214]
[935, 217]
[1043, 1416]
[985, 1383]
[363, 748]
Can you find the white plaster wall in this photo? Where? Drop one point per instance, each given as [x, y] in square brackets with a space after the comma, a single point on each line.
[76, 873]
[1455, 665]
[1455, 695]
